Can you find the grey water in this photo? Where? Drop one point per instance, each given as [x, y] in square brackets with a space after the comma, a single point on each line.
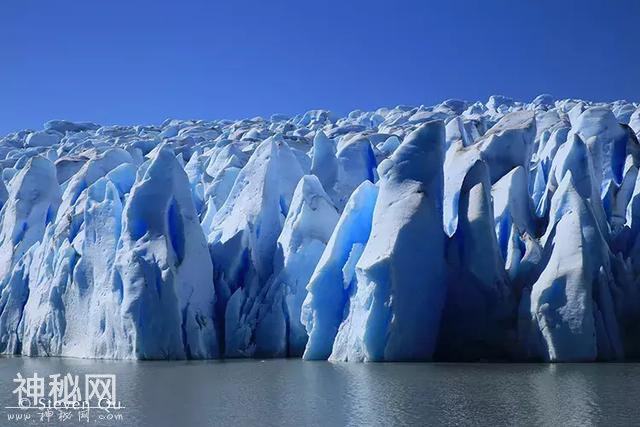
[297, 393]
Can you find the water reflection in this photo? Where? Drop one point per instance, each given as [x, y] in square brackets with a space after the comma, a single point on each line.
[292, 392]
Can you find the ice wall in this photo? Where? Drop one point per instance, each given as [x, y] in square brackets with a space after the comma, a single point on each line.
[498, 230]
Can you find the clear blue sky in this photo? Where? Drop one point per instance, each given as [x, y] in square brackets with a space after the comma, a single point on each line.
[141, 61]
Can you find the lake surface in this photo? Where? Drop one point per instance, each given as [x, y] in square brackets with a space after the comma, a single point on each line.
[297, 393]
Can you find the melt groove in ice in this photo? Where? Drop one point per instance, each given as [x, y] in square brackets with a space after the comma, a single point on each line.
[462, 231]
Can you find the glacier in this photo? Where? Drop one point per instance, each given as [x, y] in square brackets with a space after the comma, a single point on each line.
[461, 231]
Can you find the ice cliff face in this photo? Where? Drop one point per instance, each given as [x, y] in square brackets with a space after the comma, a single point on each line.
[461, 231]
[396, 309]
